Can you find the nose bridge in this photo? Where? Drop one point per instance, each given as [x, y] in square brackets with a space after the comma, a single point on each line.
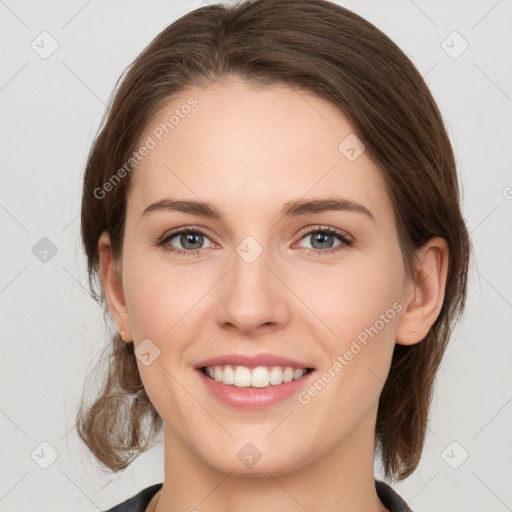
[252, 295]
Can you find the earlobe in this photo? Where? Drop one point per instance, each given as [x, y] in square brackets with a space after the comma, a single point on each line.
[424, 294]
[112, 285]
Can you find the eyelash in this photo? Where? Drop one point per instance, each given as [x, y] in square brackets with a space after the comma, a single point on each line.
[345, 241]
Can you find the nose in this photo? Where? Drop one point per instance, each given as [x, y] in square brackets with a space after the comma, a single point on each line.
[253, 297]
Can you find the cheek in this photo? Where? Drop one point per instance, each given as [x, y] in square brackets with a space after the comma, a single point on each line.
[159, 295]
[162, 300]
[360, 305]
[355, 296]
[147, 297]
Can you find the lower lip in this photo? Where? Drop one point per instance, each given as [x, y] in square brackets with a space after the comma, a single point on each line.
[254, 398]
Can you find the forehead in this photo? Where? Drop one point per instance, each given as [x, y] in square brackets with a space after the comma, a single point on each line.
[252, 146]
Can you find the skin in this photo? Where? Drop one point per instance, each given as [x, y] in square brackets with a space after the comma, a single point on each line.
[248, 151]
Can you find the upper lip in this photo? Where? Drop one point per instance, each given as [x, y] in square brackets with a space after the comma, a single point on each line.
[252, 361]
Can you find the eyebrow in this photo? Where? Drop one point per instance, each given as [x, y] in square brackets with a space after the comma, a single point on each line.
[290, 209]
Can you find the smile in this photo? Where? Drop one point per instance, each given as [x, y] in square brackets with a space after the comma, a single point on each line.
[259, 377]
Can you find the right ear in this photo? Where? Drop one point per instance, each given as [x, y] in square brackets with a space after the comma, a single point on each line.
[113, 287]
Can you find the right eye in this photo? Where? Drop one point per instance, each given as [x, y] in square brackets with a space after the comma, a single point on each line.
[188, 238]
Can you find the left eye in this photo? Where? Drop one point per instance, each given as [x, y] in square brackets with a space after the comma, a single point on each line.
[323, 238]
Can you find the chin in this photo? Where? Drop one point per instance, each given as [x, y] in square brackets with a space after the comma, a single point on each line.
[249, 462]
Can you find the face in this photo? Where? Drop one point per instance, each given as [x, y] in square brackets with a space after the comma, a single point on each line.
[264, 283]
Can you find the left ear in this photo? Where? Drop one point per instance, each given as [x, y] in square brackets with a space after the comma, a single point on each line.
[424, 294]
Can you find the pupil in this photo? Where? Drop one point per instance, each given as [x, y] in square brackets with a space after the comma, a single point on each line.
[323, 238]
[190, 238]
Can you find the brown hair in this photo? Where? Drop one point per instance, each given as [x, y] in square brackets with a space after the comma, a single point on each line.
[316, 46]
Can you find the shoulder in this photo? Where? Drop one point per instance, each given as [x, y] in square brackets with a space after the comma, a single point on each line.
[138, 502]
[391, 500]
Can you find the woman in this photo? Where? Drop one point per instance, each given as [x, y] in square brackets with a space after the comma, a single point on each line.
[271, 214]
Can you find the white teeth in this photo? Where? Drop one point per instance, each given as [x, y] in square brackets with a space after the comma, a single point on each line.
[259, 377]
[297, 374]
[276, 376]
[288, 375]
[242, 376]
[228, 376]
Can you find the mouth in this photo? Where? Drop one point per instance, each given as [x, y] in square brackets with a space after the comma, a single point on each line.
[254, 377]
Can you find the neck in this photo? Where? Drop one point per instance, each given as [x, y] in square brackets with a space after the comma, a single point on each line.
[340, 479]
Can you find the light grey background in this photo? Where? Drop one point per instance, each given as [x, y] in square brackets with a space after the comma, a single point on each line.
[51, 329]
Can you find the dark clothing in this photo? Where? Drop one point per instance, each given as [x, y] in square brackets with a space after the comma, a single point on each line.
[138, 503]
